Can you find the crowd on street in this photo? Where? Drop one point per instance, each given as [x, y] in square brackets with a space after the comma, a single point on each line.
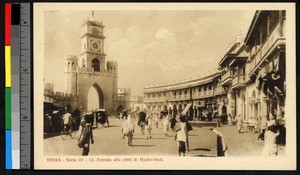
[269, 130]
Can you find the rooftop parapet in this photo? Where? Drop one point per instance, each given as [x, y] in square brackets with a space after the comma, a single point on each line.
[186, 80]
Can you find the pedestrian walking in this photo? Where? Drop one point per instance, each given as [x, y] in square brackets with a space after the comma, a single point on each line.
[181, 135]
[142, 121]
[156, 119]
[224, 114]
[166, 125]
[270, 147]
[148, 127]
[230, 122]
[128, 129]
[239, 123]
[263, 128]
[87, 134]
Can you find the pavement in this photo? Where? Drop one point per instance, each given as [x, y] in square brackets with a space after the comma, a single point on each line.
[108, 141]
[241, 144]
[244, 144]
[203, 142]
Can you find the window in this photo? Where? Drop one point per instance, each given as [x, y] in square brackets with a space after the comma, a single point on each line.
[179, 92]
[95, 65]
[199, 88]
[185, 91]
[148, 95]
[204, 88]
[83, 62]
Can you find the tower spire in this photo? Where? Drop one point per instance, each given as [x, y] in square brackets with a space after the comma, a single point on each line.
[93, 13]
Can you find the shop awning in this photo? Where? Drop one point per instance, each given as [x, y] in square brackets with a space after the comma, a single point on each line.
[186, 108]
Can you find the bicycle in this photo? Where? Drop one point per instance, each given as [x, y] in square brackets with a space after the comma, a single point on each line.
[68, 131]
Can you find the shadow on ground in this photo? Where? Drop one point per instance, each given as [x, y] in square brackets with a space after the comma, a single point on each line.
[201, 155]
[200, 149]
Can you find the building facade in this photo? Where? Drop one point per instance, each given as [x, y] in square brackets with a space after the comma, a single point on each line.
[265, 44]
[137, 103]
[234, 78]
[123, 99]
[195, 94]
[86, 70]
[250, 80]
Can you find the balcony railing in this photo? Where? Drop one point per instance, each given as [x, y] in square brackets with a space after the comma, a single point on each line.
[155, 99]
[219, 90]
[266, 47]
[225, 77]
[208, 93]
[239, 80]
[179, 97]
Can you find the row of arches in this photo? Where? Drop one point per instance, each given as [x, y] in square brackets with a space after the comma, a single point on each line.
[157, 108]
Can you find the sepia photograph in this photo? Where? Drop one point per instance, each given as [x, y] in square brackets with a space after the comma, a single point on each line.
[127, 86]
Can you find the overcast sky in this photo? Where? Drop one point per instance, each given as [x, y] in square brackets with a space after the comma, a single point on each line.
[149, 46]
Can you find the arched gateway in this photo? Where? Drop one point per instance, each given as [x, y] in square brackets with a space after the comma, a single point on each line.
[87, 71]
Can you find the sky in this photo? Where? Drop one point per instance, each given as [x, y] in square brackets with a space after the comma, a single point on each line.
[149, 46]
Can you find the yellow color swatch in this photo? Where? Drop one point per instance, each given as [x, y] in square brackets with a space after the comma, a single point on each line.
[7, 67]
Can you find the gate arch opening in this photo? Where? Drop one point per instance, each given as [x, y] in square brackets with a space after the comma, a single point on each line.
[95, 98]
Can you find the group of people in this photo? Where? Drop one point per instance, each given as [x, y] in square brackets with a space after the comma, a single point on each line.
[271, 132]
[211, 113]
[56, 120]
[178, 125]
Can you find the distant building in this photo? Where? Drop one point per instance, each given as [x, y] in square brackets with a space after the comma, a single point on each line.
[197, 94]
[122, 101]
[137, 103]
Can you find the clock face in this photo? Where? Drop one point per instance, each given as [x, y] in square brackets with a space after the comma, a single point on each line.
[95, 45]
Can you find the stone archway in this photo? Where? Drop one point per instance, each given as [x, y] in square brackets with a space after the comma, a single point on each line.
[153, 108]
[158, 108]
[120, 108]
[100, 100]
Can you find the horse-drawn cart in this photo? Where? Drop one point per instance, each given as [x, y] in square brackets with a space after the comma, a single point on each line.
[101, 117]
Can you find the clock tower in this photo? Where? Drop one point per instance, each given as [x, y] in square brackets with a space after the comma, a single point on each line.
[92, 56]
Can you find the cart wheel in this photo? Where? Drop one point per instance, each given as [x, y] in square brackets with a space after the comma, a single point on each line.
[72, 134]
[63, 134]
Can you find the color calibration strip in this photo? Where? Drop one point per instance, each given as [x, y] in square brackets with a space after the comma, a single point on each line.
[7, 39]
[17, 85]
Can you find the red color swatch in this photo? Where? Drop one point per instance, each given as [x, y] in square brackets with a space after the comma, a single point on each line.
[7, 24]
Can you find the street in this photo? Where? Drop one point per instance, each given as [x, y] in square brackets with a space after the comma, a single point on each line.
[108, 141]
